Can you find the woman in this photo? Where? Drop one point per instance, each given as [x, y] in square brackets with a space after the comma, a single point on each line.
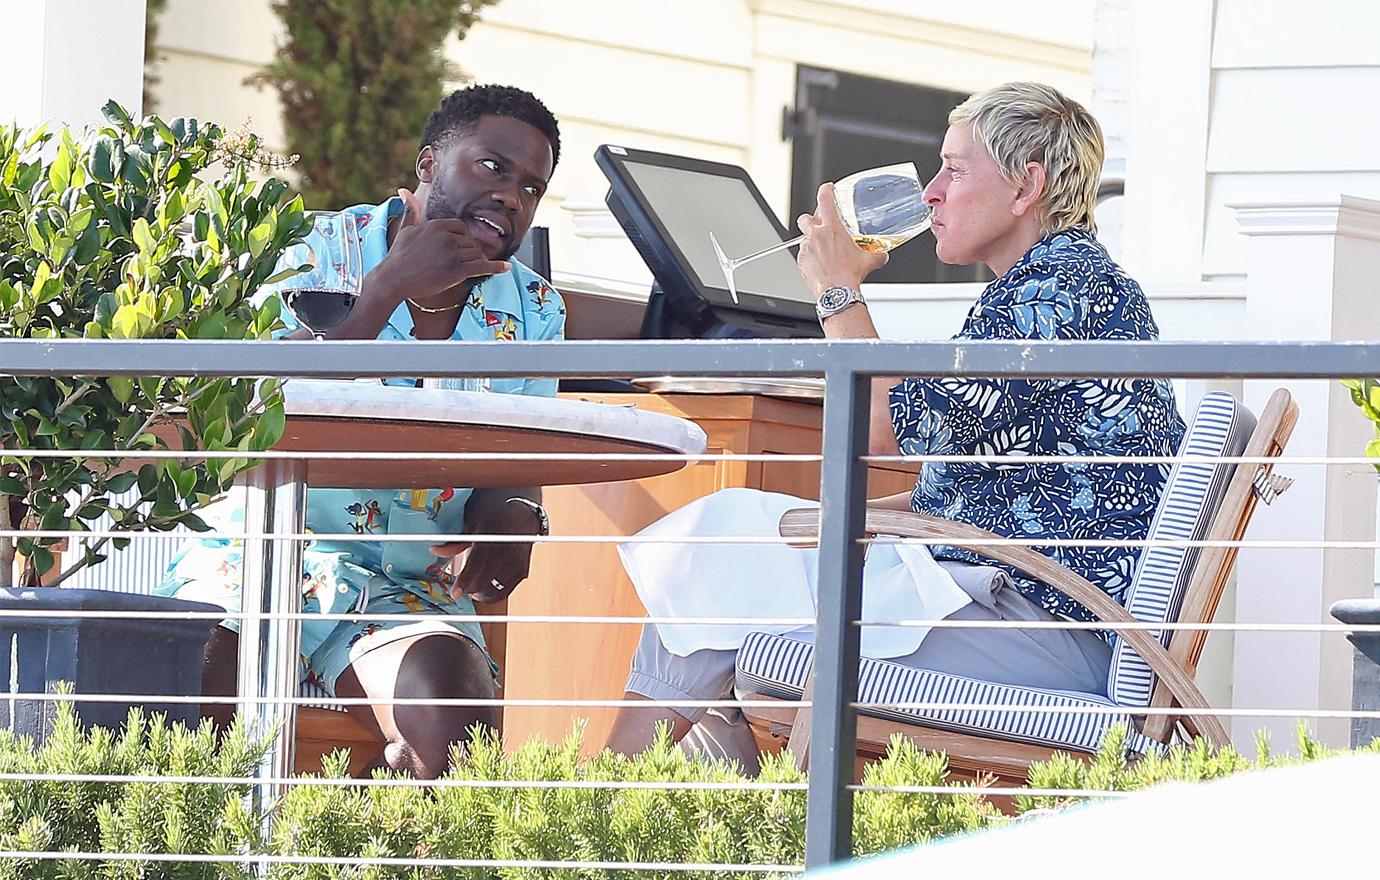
[1015, 191]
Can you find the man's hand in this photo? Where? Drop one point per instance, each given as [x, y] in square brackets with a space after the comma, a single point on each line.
[488, 513]
[427, 258]
[829, 257]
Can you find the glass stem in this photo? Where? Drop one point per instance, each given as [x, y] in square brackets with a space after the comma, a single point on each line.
[762, 253]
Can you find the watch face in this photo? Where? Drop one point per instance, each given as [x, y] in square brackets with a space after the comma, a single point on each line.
[833, 299]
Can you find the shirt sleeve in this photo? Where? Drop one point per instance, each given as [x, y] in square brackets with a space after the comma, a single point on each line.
[983, 416]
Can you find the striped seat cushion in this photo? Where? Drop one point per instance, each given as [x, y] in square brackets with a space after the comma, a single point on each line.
[777, 666]
[312, 690]
[1221, 427]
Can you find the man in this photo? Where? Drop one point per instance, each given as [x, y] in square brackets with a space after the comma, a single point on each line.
[1019, 176]
[434, 264]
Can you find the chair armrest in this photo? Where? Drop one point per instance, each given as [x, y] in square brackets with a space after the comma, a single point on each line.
[899, 501]
[805, 522]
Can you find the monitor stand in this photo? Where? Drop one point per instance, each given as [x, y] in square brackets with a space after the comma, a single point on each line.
[666, 318]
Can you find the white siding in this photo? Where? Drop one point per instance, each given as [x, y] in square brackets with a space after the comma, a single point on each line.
[707, 79]
[1292, 91]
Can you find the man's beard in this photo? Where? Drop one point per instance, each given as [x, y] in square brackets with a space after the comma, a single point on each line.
[438, 207]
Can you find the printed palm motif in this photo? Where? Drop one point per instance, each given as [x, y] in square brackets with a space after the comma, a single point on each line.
[541, 293]
[1066, 287]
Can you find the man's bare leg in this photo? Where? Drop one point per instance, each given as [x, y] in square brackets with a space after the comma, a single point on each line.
[219, 676]
[427, 667]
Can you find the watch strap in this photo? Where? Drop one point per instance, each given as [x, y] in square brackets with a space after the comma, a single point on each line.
[543, 521]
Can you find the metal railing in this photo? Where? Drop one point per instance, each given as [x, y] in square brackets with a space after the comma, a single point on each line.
[846, 367]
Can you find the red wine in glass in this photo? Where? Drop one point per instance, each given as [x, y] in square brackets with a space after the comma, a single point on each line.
[319, 309]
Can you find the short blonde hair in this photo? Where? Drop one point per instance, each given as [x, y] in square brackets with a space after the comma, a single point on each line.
[1025, 122]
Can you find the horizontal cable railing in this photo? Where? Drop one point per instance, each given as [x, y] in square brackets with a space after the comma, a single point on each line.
[831, 787]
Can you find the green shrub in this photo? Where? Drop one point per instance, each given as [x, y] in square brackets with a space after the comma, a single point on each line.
[477, 822]
[357, 80]
[140, 817]
[133, 230]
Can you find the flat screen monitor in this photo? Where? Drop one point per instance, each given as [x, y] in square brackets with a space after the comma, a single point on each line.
[668, 205]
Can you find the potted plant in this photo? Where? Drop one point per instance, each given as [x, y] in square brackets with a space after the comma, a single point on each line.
[1365, 675]
[134, 230]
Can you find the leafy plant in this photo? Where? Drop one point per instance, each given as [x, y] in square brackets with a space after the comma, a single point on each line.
[357, 80]
[1365, 393]
[462, 818]
[115, 234]
[46, 815]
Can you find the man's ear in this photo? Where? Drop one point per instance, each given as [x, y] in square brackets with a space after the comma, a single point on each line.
[426, 164]
[1031, 191]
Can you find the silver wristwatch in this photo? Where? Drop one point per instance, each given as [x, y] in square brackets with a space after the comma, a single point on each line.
[835, 300]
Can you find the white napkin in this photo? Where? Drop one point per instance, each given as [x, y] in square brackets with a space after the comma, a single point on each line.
[773, 581]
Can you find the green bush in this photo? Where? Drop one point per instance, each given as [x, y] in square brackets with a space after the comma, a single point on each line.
[477, 822]
[141, 817]
[357, 80]
[133, 230]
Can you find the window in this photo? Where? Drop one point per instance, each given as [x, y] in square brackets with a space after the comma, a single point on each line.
[843, 123]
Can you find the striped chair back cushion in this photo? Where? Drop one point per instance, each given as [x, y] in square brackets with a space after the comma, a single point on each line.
[1192, 496]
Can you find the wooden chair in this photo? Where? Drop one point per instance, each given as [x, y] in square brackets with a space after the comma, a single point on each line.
[1202, 500]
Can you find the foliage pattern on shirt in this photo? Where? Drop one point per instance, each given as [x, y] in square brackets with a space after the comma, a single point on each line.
[1066, 287]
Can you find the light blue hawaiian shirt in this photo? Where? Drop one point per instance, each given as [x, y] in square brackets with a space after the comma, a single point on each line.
[339, 576]
[1065, 287]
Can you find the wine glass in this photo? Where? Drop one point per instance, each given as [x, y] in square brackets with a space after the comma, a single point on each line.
[882, 208]
[319, 309]
[322, 298]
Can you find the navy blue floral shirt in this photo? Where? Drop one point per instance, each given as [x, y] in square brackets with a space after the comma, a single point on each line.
[1065, 287]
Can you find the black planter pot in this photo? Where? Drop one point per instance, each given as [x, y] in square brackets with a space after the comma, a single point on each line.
[1365, 673]
[97, 655]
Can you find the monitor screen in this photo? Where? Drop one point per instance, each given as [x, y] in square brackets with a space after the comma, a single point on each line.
[669, 204]
[692, 204]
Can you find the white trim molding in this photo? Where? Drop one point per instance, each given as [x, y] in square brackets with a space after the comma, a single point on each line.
[591, 218]
[1349, 216]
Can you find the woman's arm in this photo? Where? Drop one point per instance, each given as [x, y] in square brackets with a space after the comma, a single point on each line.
[830, 258]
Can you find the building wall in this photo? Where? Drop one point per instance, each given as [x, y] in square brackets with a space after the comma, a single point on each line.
[1232, 100]
[708, 78]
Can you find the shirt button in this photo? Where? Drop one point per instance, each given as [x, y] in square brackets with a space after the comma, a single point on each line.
[388, 568]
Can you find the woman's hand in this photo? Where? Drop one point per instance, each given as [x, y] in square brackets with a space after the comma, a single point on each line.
[828, 256]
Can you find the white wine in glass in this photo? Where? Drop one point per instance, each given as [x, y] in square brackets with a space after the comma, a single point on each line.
[882, 208]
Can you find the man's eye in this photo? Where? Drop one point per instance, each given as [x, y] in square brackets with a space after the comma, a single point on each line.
[533, 191]
[491, 164]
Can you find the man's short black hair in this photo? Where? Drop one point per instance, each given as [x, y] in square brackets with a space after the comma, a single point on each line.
[461, 110]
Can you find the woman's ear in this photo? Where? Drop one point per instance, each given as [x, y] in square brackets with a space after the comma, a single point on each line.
[426, 164]
[1031, 191]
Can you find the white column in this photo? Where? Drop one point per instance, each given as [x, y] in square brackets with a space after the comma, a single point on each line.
[1166, 139]
[66, 58]
[1310, 276]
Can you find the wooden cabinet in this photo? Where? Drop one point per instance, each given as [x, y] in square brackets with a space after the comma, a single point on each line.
[543, 660]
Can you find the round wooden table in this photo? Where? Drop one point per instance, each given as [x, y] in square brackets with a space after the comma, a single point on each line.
[325, 417]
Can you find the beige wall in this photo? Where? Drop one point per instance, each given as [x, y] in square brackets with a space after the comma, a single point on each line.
[707, 78]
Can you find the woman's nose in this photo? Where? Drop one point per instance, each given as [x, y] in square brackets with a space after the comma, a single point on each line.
[934, 191]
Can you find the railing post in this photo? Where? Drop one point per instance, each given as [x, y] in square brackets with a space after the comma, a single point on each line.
[843, 499]
[268, 656]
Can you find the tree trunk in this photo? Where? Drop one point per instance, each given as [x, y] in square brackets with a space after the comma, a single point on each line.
[6, 544]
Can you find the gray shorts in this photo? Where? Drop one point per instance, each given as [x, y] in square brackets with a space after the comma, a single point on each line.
[1075, 660]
